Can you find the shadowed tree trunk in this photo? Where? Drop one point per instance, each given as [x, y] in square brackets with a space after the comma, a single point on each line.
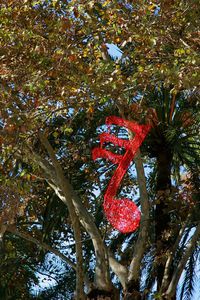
[162, 218]
[132, 291]
[97, 294]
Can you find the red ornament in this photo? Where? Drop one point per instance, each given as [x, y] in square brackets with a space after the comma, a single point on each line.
[123, 214]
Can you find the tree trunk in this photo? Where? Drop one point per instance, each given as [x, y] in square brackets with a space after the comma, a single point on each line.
[96, 294]
[132, 291]
[162, 218]
[66, 193]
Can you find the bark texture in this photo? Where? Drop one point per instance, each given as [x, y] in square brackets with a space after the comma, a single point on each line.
[162, 218]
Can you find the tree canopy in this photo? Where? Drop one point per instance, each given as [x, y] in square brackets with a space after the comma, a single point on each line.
[59, 81]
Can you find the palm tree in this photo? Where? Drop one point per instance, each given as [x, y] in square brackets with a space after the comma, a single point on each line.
[174, 143]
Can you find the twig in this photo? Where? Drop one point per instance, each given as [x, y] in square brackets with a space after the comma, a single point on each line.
[41, 244]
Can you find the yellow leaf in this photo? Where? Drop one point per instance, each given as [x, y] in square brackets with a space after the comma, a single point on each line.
[91, 109]
[152, 7]
[140, 69]
[106, 3]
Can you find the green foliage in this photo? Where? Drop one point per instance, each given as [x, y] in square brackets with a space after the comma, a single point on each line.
[59, 79]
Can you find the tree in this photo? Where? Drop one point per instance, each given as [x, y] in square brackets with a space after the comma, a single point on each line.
[58, 83]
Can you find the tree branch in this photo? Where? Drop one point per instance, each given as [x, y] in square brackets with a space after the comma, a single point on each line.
[84, 217]
[120, 270]
[60, 179]
[172, 107]
[140, 246]
[80, 295]
[65, 192]
[28, 237]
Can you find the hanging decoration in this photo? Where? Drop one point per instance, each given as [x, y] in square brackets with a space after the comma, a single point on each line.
[123, 214]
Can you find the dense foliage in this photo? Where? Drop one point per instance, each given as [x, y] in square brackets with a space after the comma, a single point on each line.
[59, 81]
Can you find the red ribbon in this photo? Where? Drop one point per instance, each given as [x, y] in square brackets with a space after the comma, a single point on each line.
[123, 214]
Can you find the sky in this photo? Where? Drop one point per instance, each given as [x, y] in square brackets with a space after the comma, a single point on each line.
[114, 51]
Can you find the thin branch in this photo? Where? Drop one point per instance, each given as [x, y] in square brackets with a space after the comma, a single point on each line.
[185, 44]
[172, 107]
[28, 237]
[50, 114]
[45, 274]
[43, 163]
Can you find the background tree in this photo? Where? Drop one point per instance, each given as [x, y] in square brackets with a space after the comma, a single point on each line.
[58, 83]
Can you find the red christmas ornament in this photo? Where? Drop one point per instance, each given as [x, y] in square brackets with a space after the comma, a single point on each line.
[123, 214]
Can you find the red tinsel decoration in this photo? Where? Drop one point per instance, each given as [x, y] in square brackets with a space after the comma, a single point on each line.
[123, 214]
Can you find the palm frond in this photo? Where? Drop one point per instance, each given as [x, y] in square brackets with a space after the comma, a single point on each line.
[148, 272]
[190, 277]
